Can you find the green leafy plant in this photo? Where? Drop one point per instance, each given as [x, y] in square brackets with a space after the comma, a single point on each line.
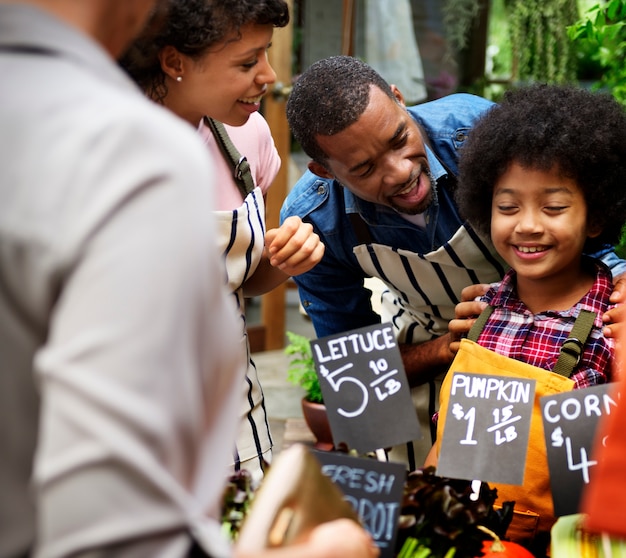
[542, 50]
[602, 33]
[458, 18]
[301, 371]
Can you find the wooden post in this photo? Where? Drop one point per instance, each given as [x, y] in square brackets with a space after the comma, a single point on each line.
[347, 28]
[280, 55]
[472, 58]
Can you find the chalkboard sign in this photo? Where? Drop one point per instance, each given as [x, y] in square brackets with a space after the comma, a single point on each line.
[374, 488]
[570, 421]
[487, 428]
[365, 390]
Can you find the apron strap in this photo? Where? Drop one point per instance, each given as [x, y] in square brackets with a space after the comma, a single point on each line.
[238, 162]
[479, 324]
[572, 348]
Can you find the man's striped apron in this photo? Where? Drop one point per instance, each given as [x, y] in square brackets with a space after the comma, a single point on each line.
[421, 293]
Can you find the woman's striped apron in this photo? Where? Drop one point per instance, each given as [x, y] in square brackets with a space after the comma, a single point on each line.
[241, 234]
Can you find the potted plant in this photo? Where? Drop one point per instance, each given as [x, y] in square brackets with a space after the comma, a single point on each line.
[301, 372]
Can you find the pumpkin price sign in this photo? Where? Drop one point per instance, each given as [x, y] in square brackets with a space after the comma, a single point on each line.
[365, 389]
[570, 422]
[486, 428]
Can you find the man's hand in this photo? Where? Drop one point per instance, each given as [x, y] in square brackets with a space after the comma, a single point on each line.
[615, 318]
[465, 314]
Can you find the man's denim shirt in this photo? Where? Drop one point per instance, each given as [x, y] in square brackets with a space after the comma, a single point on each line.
[332, 292]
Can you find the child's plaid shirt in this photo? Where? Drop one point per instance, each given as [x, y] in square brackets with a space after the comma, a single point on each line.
[514, 331]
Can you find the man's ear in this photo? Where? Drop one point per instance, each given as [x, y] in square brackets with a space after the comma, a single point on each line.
[171, 61]
[398, 94]
[320, 170]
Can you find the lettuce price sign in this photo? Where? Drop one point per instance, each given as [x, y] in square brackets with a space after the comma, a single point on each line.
[365, 389]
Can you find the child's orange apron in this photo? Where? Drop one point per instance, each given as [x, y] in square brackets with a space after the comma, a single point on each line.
[534, 511]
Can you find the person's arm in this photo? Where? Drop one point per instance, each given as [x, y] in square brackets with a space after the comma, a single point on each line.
[265, 278]
[424, 361]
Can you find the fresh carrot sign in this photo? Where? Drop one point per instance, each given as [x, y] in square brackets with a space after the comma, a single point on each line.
[374, 489]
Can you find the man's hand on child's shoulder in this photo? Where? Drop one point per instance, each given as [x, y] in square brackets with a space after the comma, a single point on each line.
[466, 313]
[615, 318]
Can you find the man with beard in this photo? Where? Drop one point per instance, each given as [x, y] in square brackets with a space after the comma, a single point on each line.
[380, 195]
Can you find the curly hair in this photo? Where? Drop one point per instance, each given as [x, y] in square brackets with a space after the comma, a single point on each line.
[193, 27]
[579, 133]
[328, 97]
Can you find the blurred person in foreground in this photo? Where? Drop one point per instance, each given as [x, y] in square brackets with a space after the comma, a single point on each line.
[119, 380]
[604, 499]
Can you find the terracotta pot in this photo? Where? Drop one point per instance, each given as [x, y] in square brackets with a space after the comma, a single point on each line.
[317, 421]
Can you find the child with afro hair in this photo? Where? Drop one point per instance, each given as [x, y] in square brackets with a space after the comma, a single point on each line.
[544, 174]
